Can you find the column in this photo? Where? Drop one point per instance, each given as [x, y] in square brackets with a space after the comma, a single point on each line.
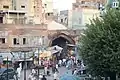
[8, 17]
[18, 22]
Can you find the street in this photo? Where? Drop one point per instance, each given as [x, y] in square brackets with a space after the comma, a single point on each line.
[62, 70]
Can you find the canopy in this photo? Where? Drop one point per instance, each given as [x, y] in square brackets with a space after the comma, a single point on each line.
[55, 49]
[5, 55]
[72, 45]
[45, 54]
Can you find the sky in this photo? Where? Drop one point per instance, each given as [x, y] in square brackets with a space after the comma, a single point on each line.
[63, 4]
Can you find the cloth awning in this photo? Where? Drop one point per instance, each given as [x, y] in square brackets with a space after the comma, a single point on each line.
[71, 45]
[5, 55]
[55, 49]
[45, 54]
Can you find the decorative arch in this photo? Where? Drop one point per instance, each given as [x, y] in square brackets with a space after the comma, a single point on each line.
[63, 35]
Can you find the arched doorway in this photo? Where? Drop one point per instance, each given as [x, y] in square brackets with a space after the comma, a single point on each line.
[62, 40]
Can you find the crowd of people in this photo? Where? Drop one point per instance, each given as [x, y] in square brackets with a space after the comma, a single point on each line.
[52, 67]
[69, 63]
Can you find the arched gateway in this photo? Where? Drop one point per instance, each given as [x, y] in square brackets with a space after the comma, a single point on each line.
[61, 40]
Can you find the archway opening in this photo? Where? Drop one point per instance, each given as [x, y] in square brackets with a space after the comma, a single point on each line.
[62, 42]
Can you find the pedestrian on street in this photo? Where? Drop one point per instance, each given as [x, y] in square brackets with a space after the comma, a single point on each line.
[33, 71]
[55, 76]
[19, 69]
[60, 63]
[57, 67]
[44, 78]
[45, 70]
[75, 72]
[40, 76]
[64, 62]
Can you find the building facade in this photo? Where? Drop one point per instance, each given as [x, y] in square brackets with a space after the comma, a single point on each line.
[81, 13]
[14, 37]
[63, 17]
[33, 9]
[12, 17]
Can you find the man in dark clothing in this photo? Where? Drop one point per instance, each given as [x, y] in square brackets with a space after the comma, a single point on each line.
[44, 78]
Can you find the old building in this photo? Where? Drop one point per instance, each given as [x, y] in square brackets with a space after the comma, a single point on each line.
[63, 17]
[12, 17]
[33, 36]
[81, 13]
[33, 9]
[48, 9]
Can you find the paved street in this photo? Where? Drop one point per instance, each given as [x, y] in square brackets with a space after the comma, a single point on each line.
[62, 70]
[27, 74]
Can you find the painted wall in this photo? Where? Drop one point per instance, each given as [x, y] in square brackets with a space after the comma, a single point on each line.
[82, 17]
[48, 4]
[77, 18]
[89, 14]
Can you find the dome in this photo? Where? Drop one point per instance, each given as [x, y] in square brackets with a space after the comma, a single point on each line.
[55, 26]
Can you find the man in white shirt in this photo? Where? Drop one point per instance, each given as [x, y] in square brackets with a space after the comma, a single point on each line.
[33, 71]
[55, 76]
[56, 66]
[45, 70]
[60, 62]
[64, 62]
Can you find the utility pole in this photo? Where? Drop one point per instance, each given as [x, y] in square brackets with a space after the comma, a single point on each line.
[7, 68]
[38, 63]
[25, 66]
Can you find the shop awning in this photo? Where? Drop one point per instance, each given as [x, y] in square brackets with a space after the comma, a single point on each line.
[45, 54]
[55, 49]
[71, 45]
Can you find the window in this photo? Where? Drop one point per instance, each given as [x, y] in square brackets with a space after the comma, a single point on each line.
[33, 6]
[6, 7]
[45, 5]
[61, 20]
[80, 21]
[14, 7]
[1, 19]
[24, 40]
[65, 19]
[48, 14]
[15, 41]
[2, 40]
[22, 6]
[82, 2]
